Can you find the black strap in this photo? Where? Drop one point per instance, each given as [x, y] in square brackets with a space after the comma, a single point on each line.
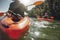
[4, 25]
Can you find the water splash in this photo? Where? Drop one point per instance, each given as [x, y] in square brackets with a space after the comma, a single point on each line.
[34, 31]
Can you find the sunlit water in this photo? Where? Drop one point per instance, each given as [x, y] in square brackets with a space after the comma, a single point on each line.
[34, 31]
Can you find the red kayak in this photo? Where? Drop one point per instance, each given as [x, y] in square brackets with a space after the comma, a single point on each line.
[15, 30]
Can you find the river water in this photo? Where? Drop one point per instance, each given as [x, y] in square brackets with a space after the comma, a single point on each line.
[39, 30]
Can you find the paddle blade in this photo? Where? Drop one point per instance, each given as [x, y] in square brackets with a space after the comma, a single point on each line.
[1, 14]
[38, 3]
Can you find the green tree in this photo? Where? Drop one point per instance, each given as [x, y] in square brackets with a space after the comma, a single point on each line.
[54, 8]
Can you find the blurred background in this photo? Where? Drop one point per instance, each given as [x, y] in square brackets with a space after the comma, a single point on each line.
[39, 29]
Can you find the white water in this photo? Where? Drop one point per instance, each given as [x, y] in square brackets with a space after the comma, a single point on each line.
[34, 31]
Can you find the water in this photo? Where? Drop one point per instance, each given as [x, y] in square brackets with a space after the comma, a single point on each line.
[34, 31]
[41, 30]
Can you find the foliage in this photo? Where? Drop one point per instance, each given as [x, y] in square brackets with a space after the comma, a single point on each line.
[37, 10]
[54, 8]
